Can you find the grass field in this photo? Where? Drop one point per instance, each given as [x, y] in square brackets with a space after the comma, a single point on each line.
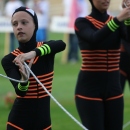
[63, 90]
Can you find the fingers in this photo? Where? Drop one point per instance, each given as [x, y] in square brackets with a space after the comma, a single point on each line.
[25, 56]
[124, 15]
[123, 4]
[19, 58]
[21, 67]
[126, 3]
[23, 71]
[128, 11]
[30, 63]
[19, 61]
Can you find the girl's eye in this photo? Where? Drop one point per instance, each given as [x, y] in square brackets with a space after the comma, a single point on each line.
[24, 22]
[14, 24]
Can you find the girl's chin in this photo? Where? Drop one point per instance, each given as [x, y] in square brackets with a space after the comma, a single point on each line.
[22, 40]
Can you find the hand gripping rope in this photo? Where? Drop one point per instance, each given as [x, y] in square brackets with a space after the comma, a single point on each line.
[19, 81]
[28, 72]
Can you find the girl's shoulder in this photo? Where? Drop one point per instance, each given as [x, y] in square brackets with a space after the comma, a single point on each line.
[81, 20]
[7, 59]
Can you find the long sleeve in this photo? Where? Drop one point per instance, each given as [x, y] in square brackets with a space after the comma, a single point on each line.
[50, 47]
[12, 71]
[84, 29]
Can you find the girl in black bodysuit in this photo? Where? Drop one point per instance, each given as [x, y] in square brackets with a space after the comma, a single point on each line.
[125, 58]
[98, 93]
[125, 64]
[31, 109]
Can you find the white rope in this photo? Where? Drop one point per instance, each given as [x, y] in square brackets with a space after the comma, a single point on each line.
[55, 99]
[19, 81]
[28, 72]
[125, 125]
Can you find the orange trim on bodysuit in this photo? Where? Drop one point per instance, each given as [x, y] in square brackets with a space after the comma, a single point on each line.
[99, 99]
[89, 98]
[17, 52]
[47, 128]
[100, 60]
[123, 73]
[122, 48]
[115, 97]
[98, 24]
[8, 123]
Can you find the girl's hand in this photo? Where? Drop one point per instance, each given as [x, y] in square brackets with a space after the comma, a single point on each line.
[24, 73]
[19, 61]
[124, 15]
[125, 3]
[23, 57]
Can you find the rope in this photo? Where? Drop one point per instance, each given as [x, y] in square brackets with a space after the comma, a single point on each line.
[55, 99]
[125, 125]
[28, 73]
[19, 81]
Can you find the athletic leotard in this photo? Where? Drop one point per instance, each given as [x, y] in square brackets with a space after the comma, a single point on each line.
[31, 108]
[98, 93]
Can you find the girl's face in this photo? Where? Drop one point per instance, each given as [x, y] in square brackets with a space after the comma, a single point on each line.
[23, 26]
[101, 5]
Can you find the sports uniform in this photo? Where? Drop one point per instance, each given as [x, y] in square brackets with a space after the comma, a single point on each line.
[125, 64]
[98, 92]
[31, 108]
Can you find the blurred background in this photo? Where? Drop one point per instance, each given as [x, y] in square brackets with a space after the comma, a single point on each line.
[56, 6]
[54, 24]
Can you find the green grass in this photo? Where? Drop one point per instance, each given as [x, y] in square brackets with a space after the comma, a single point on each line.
[63, 90]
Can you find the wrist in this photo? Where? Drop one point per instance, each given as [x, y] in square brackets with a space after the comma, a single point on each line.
[119, 19]
[127, 22]
[33, 53]
[23, 86]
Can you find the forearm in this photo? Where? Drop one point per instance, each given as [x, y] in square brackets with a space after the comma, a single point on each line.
[50, 47]
[88, 33]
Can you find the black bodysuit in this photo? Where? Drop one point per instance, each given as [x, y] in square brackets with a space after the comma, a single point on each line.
[98, 93]
[31, 109]
[125, 64]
